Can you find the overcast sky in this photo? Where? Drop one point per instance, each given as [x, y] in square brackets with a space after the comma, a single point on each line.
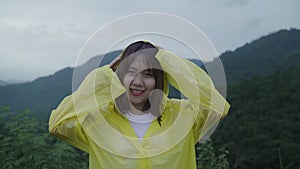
[37, 38]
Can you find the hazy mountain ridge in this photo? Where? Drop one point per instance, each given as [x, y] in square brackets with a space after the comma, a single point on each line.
[277, 51]
[3, 83]
[9, 82]
[44, 93]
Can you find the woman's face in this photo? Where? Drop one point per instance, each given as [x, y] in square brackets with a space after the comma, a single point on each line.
[139, 82]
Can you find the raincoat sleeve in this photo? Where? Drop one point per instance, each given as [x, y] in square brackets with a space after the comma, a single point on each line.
[65, 121]
[196, 85]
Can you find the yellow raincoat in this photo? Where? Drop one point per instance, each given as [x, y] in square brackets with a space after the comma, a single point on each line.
[89, 120]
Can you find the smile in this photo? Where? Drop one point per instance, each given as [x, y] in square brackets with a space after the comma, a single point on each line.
[136, 92]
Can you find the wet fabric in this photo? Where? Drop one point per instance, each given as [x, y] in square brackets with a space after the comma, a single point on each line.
[89, 120]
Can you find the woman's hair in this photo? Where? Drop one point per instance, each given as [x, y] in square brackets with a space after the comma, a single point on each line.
[146, 51]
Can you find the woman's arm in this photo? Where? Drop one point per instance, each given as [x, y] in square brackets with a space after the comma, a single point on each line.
[192, 82]
[196, 85]
[98, 88]
[63, 123]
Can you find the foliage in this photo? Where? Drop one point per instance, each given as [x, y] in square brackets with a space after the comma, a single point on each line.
[25, 143]
[279, 51]
[262, 128]
[209, 158]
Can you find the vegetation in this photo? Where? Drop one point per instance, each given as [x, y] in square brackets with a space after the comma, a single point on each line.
[209, 157]
[25, 143]
[278, 51]
[262, 128]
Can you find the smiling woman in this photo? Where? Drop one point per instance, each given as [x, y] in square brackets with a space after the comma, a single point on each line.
[139, 82]
[122, 117]
[140, 74]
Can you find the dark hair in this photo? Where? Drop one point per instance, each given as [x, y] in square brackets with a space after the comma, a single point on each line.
[135, 47]
[147, 52]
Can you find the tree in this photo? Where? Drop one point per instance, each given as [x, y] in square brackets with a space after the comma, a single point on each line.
[25, 143]
[209, 158]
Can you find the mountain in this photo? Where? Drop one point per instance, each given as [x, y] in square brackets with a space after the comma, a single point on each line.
[275, 52]
[278, 51]
[3, 83]
[81, 71]
[271, 53]
[44, 94]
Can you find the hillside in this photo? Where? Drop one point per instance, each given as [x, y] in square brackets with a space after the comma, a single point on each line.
[3, 83]
[274, 52]
[44, 94]
[263, 123]
[40, 95]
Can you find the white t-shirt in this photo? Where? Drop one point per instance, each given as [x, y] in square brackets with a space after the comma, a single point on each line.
[140, 123]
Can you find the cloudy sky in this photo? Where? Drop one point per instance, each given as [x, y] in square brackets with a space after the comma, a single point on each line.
[37, 38]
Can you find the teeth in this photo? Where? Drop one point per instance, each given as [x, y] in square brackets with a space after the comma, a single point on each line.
[137, 91]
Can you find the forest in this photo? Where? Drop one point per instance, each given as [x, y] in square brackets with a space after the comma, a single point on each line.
[262, 130]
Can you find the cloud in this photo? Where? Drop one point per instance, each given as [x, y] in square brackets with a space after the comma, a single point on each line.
[252, 24]
[237, 3]
[43, 36]
[36, 49]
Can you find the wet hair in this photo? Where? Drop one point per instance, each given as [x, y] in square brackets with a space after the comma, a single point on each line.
[146, 51]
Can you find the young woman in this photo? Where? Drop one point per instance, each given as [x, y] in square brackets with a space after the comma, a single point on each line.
[122, 117]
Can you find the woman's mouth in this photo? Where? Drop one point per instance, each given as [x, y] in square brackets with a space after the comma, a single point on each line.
[136, 92]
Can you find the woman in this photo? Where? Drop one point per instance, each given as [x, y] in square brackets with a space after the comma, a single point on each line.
[122, 117]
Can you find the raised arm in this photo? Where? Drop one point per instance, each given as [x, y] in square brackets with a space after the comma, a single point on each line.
[192, 82]
[196, 85]
[95, 91]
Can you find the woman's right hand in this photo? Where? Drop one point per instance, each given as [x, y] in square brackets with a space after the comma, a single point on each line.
[113, 64]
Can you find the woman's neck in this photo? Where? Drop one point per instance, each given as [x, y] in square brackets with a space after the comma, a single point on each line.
[137, 110]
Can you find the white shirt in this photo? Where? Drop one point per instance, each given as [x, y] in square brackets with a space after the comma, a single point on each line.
[140, 123]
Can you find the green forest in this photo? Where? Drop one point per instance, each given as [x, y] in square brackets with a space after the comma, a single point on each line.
[261, 130]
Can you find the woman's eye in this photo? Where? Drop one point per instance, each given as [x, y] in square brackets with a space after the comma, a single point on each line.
[148, 74]
[131, 72]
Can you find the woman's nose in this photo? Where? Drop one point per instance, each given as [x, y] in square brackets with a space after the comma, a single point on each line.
[137, 80]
